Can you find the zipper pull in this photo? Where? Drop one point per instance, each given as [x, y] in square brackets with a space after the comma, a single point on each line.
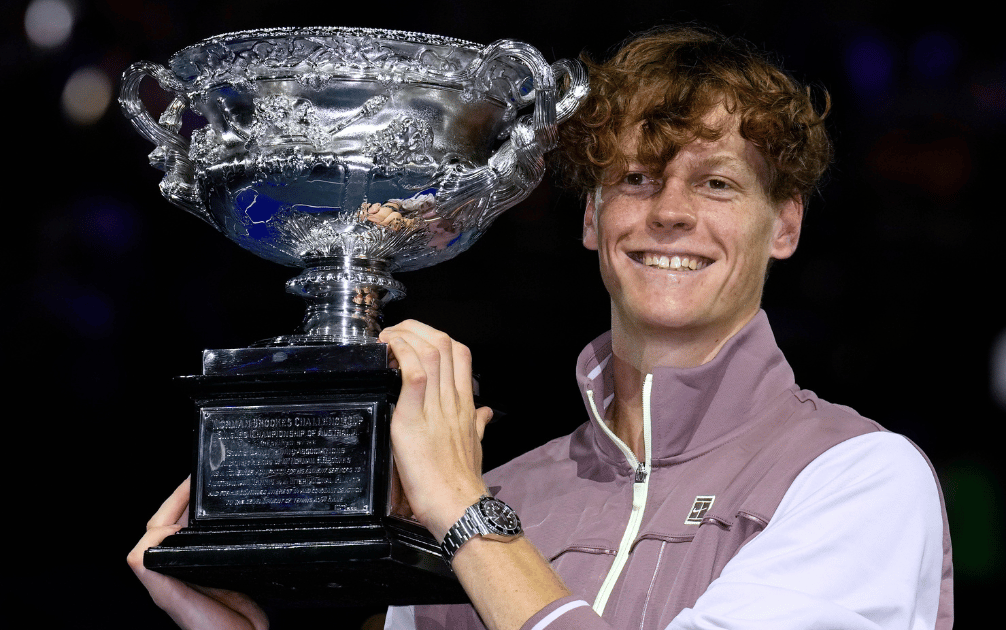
[641, 473]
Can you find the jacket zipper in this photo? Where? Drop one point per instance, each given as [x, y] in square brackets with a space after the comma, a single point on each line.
[640, 488]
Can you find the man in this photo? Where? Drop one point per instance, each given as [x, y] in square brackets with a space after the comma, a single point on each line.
[706, 490]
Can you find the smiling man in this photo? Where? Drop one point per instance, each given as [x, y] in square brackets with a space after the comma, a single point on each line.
[706, 490]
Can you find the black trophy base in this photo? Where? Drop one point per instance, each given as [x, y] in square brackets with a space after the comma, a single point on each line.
[292, 484]
[394, 563]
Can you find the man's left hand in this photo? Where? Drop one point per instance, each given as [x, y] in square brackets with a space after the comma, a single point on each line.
[436, 431]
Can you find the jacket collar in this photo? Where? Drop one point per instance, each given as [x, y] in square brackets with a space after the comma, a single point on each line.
[695, 409]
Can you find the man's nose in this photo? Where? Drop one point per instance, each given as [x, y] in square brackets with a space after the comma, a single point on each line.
[672, 210]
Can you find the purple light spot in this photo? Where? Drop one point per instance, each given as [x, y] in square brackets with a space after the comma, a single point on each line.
[869, 62]
[934, 56]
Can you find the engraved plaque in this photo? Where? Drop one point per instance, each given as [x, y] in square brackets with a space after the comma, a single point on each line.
[274, 460]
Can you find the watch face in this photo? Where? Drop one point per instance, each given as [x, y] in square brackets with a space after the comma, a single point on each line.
[500, 516]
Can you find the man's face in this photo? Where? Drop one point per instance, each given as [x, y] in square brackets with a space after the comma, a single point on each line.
[687, 250]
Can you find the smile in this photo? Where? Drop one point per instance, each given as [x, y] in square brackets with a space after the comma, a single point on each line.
[673, 262]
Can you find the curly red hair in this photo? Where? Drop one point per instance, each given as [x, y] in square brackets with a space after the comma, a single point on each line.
[664, 82]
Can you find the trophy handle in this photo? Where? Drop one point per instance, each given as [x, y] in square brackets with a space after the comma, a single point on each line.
[172, 153]
[518, 165]
[576, 89]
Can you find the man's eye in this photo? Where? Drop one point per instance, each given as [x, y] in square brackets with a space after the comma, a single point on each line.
[641, 180]
[718, 185]
[638, 183]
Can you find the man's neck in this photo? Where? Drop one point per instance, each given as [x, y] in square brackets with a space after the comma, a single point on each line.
[626, 410]
[635, 354]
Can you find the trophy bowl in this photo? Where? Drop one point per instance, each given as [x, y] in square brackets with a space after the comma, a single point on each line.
[310, 131]
[349, 153]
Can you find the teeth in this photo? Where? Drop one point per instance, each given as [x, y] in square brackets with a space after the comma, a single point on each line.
[673, 263]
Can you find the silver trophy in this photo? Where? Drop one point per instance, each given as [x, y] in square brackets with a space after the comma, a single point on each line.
[350, 153]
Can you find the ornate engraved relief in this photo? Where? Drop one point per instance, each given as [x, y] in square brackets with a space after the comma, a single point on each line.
[405, 141]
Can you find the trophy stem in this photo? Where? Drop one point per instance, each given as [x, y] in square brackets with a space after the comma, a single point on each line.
[345, 297]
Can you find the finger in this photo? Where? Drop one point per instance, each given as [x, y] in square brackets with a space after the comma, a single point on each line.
[440, 352]
[151, 538]
[413, 326]
[239, 602]
[190, 606]
[435, 351]
[173, 508]
[443, 346]
[483, 416]
[414, 374]
[197, 608]
[403, 327]
[383, 337]
[462, 365]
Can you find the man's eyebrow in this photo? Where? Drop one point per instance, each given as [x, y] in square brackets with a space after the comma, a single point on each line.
[725, 160]
[737, 164]
[634, 161]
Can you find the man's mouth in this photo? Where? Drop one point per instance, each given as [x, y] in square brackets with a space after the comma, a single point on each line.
[673, 262]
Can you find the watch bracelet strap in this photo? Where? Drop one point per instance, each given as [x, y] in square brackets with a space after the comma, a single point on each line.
[461, 532]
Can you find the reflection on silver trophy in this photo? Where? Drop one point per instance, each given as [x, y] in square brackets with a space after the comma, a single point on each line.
[353, 152]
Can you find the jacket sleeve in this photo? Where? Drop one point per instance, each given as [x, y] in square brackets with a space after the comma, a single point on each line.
[856, 543]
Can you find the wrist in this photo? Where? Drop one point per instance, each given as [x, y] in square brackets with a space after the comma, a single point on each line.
[488, 518]
[450, 509]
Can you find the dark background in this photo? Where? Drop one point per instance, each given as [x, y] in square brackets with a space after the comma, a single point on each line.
[890, 306]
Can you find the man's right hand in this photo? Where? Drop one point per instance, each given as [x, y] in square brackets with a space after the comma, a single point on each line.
[191, 607]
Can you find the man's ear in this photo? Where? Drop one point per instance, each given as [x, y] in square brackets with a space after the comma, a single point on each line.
[788, 222]
[590, 222]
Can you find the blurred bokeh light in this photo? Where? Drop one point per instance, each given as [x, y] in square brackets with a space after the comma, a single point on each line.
[86, 95]
[997, 370]
[49, 23]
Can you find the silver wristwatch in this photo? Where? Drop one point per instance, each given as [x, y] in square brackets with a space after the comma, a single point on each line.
[490, 518]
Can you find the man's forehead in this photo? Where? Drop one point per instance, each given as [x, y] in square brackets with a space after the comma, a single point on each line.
[729, 149]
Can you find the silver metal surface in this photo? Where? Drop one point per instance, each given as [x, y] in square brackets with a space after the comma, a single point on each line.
[295, 359]
[306, 128]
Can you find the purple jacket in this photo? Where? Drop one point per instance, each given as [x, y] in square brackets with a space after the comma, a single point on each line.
[642, 541]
